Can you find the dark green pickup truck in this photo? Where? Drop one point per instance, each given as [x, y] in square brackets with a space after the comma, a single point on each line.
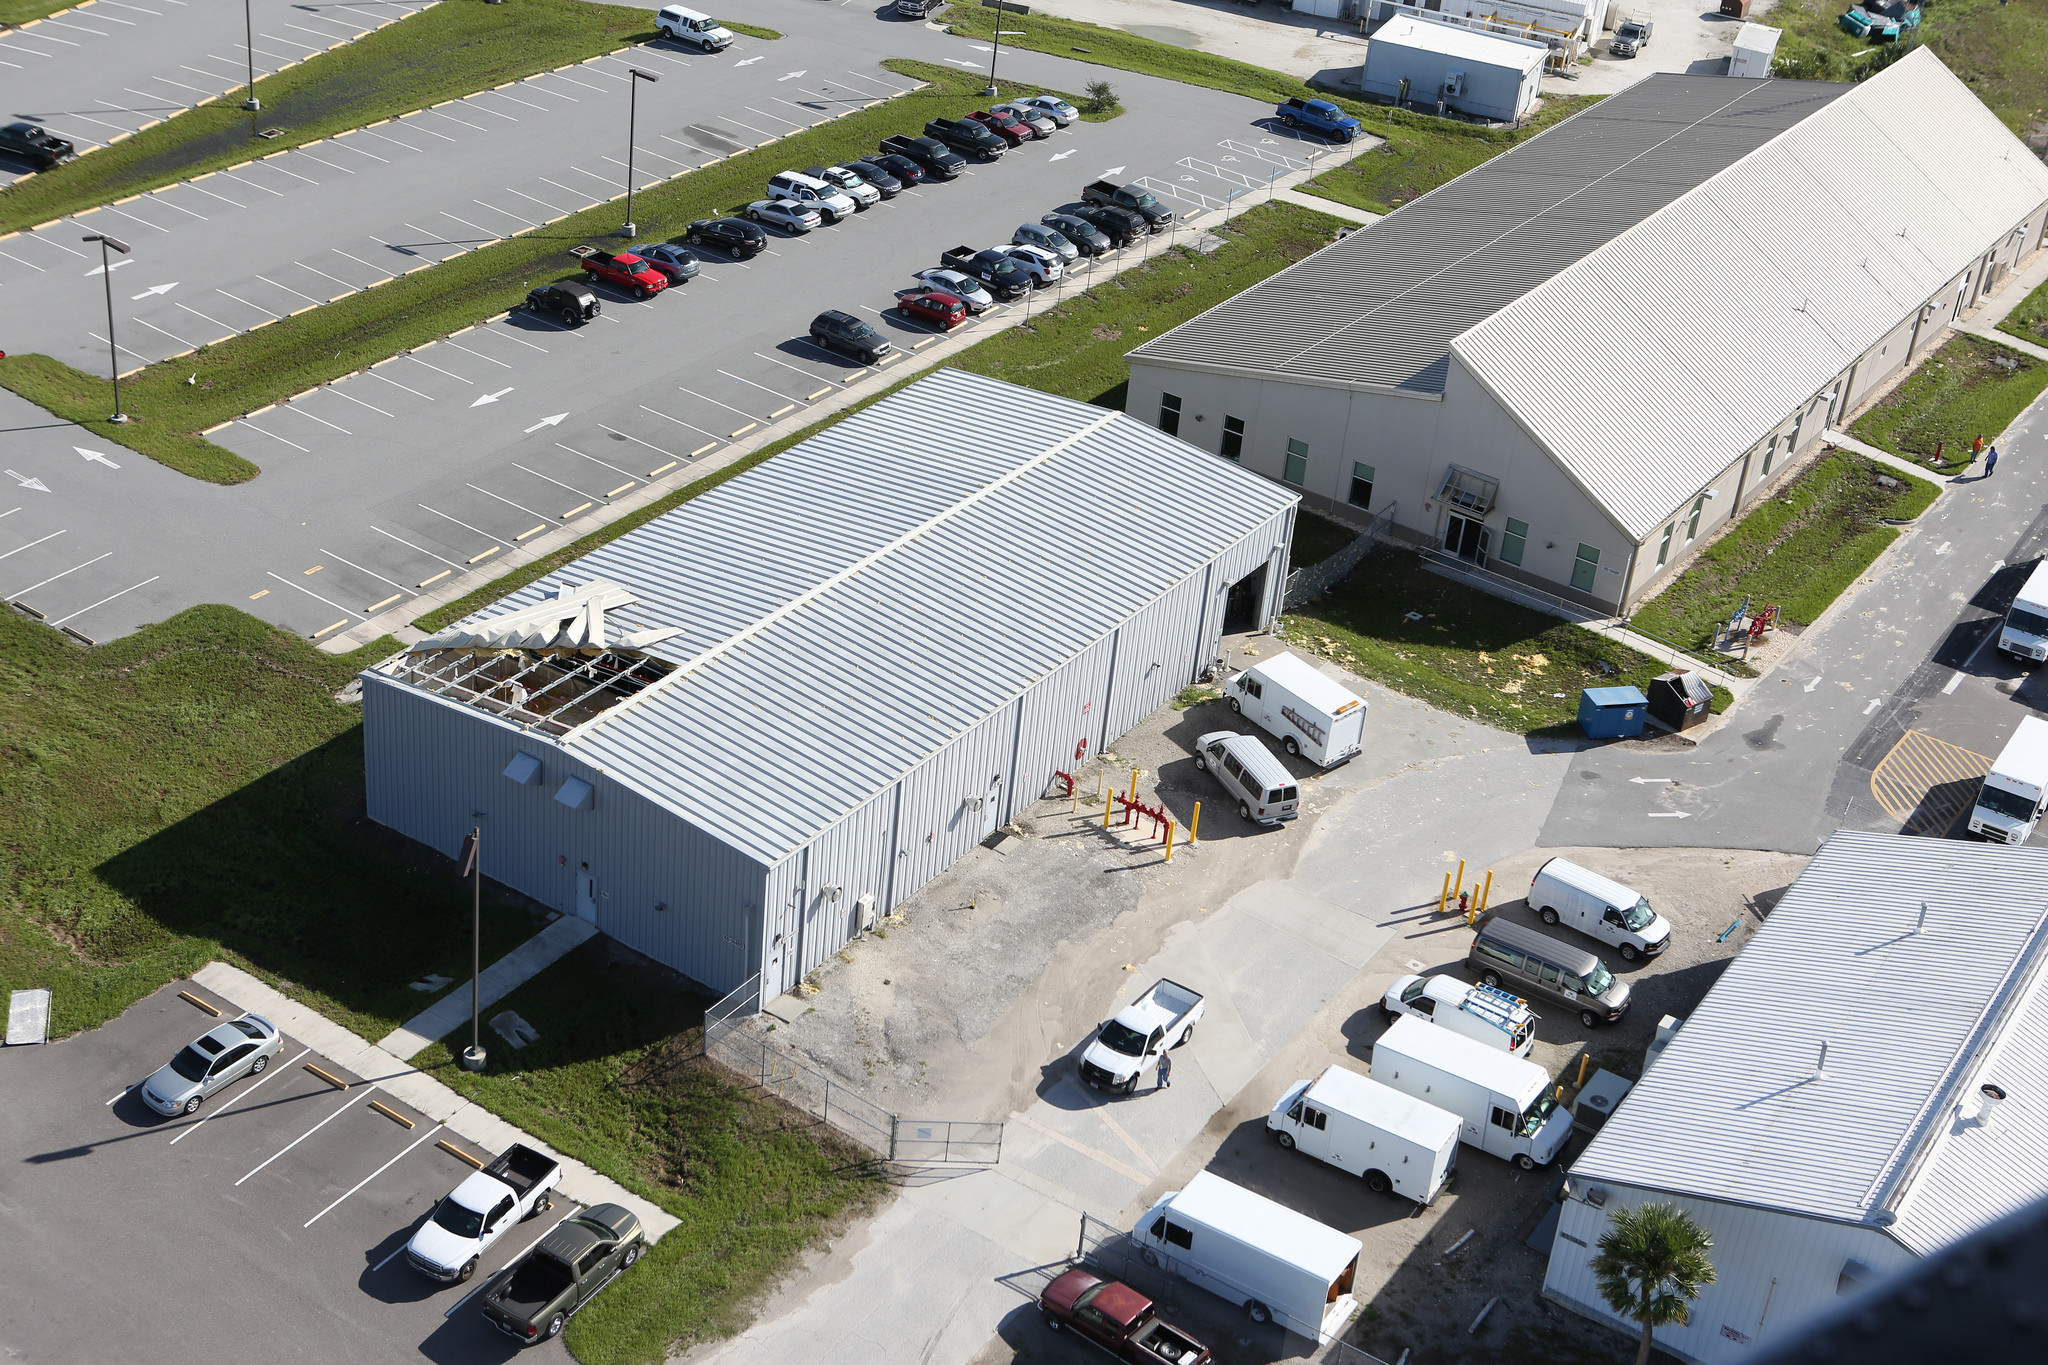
[543, 1289]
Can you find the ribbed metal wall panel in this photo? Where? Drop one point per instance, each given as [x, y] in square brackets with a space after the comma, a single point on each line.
[937, 824]
[1062, 711]
[848, 861]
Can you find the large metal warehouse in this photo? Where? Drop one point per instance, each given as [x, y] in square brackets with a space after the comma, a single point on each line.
[734, 736]
[1573, 363]
[1864, 1085]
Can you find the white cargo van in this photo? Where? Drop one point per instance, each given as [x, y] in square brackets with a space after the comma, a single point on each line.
[1394, 1141]
[1278, 1265]
[1598, 907]
[1314, 716]
[1495, 1017]
[2015, 791]
[2025, 632]
[1504, 1104]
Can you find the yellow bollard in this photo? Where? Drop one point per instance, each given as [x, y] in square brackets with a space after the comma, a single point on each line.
[1443, 901]
[1460, 887]
[1107, 802]
[1169, 841]
[1486, 892]
[1585, 1060]
[1134, 782]
[1195, 826]
[1560, 1094]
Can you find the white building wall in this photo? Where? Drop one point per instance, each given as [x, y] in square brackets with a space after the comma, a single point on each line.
[1773, 1270]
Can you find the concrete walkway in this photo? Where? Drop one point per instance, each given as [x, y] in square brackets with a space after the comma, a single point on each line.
[497, 981]
[1329, 206]
[407, 1083]
[1871, 452]
[1990, 332]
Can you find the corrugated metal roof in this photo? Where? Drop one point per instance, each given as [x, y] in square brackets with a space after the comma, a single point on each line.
[1383, 305]
[1493, 49]
[1915, 1014]
[1737, 303]
[855, 603]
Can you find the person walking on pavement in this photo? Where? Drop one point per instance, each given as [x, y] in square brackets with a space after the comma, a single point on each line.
[1165, 1070]
[1991, 461]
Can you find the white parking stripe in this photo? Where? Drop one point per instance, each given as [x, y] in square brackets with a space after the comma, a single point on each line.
[54, 577]
[594, 460]
[509, 503]
[15, 551]
[367, 1091]
[556, 482]
[315, 596]
[360, 569]
[410, 546]
[372, 1176]
[239, 1099]
[108, 598]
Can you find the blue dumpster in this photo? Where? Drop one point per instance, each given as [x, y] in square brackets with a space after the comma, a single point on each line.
[1612, 712]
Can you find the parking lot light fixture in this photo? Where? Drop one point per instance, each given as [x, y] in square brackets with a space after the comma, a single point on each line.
[252, 104]
[632, 118]
[473, 867]
[996, 50]
[113, 351]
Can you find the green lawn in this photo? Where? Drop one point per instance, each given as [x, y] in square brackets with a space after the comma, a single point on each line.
[1798, 549]
[2029, 321]
[614, 1081]
[456, 48]
[1471, 653]
[192, 792]
[1075, 350]
[21, 11]
[249, 371]
[1422, 153]
[1969, 388]
[1999, 49]
[1316, 539]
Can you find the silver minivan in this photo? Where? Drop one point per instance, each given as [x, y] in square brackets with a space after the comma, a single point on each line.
[1266, 792]
[1521, 960]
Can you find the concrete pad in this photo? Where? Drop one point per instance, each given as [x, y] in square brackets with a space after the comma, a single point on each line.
[496, 981]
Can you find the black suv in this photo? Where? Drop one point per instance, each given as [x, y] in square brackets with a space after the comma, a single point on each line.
[1121, 226]
[38, 145]
[884, 184]
[888, 164]
[736, 236]
[570, 302]
[845, 332]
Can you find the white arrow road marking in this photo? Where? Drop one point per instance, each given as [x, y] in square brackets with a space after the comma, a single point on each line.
[971, 66]
[1874, 704]
[96, 457]
[26, 482]
[1944, 547]
[154, 289]
[1653, 779]
[96, 270]
[790, 77]
[1062, 156]
[1669, 814]
[494, 397]
[750, 61]
[1113, 170]
[554, 421]
[1815, 683]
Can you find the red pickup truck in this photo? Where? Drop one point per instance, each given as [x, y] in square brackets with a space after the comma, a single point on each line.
[1117, 1318]
[622, 270]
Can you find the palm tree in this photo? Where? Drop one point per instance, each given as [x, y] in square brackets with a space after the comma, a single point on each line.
[1652, 1262]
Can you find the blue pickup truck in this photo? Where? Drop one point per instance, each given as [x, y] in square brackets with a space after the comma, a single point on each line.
[1319, 116]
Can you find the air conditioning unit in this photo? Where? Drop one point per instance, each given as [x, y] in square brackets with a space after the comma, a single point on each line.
[864, 908]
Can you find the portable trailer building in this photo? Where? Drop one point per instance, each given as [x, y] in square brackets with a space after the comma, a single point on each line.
[1756, 45]
[1480, 75]
[733, 736]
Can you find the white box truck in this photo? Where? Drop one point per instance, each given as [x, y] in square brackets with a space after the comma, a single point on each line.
[1314, 717]
[2015, 791]
[1394, 1142]
[2025, 632]
[1278, 1265]
[1504, 1104]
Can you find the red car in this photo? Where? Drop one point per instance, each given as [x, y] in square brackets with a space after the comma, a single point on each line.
[1117, 1318]
[942, 310]
[1008, 129]
[626, 271]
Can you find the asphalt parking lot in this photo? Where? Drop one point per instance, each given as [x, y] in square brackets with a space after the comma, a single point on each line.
[268, 1226]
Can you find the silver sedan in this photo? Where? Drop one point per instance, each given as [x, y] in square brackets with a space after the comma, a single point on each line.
[241, 1047]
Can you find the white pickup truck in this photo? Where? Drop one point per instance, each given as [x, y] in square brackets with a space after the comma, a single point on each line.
[517, 1185]
[1162, 1018]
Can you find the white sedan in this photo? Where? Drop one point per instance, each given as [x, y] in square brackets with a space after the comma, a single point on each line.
[1056, 108]
[965, 288]
[1041, 264]
[784, 213]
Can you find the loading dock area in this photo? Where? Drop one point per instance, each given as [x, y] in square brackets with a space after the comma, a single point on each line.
[267, 1226]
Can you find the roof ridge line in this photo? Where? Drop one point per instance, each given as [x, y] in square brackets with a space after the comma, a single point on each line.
[825, 585]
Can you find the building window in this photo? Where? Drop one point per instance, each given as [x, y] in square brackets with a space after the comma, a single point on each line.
[1692, 527]
[1770, 453]
[1513, 539]
[1361, 485]
[1169, 413]
[1664, 550]
[1584, 567]
[1233, 438]
[1296, 471]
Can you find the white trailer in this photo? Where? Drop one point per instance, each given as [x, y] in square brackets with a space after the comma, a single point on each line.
[1467, 71]
[1756, 45]
[1312, 715]
[1278, 1265]
[1393, 1141]
[2025, 632]
[1142, 1032]
[2015, 791]
[1504, 1104]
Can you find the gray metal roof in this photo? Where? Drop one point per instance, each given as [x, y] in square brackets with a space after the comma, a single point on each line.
[1383, 305]
[854, 604]
[1916, 1014]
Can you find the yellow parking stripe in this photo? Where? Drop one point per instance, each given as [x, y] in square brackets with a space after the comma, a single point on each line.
[1925, 783]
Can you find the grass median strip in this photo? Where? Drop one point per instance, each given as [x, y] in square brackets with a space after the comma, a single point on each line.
[456, 48]
[1971, 387]
[243, 373]
[28, 11]
[2029, 321]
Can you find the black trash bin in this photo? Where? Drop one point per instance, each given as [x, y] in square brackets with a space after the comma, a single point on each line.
[1680, 699]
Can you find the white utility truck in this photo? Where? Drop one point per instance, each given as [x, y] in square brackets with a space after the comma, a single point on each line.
[1142, 1032]
[2025, 632]
[1278, 1265]
[1504, 1104]
[1495, 1017]
[1314, 716]
[2015, 791]
[480, 1211]
[1394, 1141]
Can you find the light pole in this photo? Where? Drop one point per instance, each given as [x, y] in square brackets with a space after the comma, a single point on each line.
[252, 104]
[996, 51]
[632, 121]
[473, 866]
[113, 352]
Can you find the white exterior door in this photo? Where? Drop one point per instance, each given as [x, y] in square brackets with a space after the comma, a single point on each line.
[586, 896]
[992, 807]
